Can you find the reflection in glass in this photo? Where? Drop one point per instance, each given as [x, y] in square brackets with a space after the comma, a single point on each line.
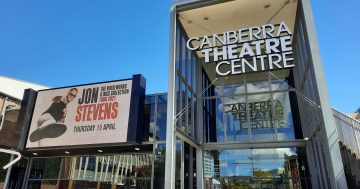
[282, 120]
[220, 131]
[279, 80]
[232, 89]
[183, 56]
[178, 42]
[117, 170]
[159, 170]
[233, 85]
[260, 114]
[178, 92]
[209, 120]
[189, 114]
[237, 125]
[149, 117]
[46, 168]
[256, 168]
[189, 68]
[257, 82]
[182, 117]
[178, 166]
[269, 116]
[194, 64]
[161, 118]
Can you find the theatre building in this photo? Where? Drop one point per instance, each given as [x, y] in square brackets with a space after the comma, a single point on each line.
[246, 107]
[247, 100]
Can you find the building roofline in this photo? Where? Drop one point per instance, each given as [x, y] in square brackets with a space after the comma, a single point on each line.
[346, 115]
[23, 81]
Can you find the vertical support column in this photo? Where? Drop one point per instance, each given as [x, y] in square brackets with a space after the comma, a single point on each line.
[60, 171]
[117, 170]
[182, 169]
[27, 174]
[96, 167]
[153, 165]
[2, 114]
[332, 151]
[107, 168]
[191, 167]
[72, 174]
[225, 122]
[79, 169]
[272, 121]
[247, 110]
[155, 117]
[8, 172]
[113, 169]
[199, 169]
[170, 162]
[199, 105]
[101, 168]
[85, 167]
[122, 169]
[357, 142]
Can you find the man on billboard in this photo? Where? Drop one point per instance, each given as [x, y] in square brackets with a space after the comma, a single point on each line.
[51, 122]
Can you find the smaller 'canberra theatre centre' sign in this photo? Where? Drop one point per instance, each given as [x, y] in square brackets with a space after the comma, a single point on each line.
[253, 49]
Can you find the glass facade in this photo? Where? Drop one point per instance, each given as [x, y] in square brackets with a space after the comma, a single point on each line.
[186, 85]
[250, 111]
[155, 118]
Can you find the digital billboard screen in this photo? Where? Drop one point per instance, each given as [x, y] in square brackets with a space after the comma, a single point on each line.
[81, 115]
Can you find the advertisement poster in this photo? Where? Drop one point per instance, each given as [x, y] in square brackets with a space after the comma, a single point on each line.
[88, 114]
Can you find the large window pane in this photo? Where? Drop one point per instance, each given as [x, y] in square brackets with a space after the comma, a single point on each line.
[257, 82]
[149, 118]
[159, 171]
[229, 87]
[279, 80]
[161, 117]
[45, 168]
[182, 116]
[256, 168]
[282, 120]
[214, 125]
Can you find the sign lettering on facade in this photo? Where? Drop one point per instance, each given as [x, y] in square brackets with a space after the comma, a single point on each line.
[253, 49]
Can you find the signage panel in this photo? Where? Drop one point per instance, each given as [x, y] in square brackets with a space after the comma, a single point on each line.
[83, 115]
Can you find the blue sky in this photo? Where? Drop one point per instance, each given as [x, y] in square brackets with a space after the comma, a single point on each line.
[61, 42]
